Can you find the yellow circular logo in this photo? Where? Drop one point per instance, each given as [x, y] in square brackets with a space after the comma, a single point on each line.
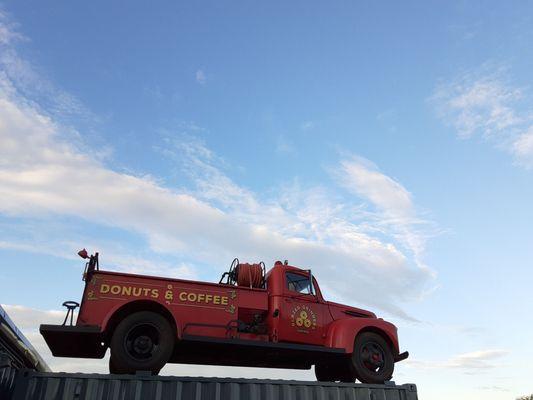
[303, 318]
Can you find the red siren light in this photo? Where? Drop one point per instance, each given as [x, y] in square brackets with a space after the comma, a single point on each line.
[83, 253]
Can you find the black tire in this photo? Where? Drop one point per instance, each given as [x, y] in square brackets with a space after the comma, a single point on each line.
[325, 373]
[372, 360]
[143, 341]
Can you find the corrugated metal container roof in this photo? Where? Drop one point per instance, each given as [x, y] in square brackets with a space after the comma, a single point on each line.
[32, 385]
[7, 379]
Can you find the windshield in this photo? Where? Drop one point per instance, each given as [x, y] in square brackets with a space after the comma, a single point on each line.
[298, 283]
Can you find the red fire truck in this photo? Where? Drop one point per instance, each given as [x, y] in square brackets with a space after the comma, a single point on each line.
[251, 318]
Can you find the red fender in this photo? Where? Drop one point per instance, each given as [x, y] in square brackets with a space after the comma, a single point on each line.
[342, 332]
[140, 305]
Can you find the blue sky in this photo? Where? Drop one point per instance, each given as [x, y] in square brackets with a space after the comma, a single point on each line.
[389, 147]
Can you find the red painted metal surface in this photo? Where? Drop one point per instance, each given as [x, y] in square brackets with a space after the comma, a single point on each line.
[189, 302]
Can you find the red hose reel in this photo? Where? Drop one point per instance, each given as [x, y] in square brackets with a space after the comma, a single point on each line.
[250, 275]
[245, 274]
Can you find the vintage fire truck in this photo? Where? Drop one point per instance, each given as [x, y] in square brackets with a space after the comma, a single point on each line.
[250, 318]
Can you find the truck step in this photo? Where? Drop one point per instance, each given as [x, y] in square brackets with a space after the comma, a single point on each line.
[32, 385]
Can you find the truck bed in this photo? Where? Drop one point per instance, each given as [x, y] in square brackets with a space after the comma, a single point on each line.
[32, 385]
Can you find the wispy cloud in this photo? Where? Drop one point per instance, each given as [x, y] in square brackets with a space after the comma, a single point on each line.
[307, 125]
[19, 75]
[43, 175]
[25, 317]
[481, 359]
[201, 77]
[522, 148]
[495, 388]
[485, 103]
[471, 362]
[394, 213]
[318, 218]
[114, 255]
[8, 30]
[364, 179]
[356, 251]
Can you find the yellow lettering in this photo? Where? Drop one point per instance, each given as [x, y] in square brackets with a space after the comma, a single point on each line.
[104, 288]
[136, 291]
[199, 298]
[115, 289]
[155, 293]
[146, 291]
[126, 291]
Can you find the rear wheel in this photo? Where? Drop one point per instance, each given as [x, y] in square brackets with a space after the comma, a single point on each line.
[372, 360]
[143, 341]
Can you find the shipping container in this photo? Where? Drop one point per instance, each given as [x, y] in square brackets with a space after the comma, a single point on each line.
[32, 385]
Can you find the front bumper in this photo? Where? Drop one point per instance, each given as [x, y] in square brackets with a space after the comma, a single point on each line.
[401, 356]
[74, 341]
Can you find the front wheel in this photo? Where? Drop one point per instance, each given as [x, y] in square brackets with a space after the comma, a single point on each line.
[143, 341]
[372, 358]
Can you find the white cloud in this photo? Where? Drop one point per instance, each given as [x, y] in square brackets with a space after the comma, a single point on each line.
[18, 75]
[522, 148]
[485, 103]
[8, 30]
[318, 220]
[364, 179]
[114, 256]
[26, 318]
[201, 77]
[396, 214]
[472, 362]
[495, 388]
[45, 174]
[476, 359]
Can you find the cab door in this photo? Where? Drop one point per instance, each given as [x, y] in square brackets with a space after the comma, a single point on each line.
[303, 315]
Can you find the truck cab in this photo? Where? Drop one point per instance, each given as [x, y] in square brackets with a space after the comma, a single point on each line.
[278, 319]
[303, 314]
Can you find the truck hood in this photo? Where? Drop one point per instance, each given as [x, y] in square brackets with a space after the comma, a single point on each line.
[339, 311]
